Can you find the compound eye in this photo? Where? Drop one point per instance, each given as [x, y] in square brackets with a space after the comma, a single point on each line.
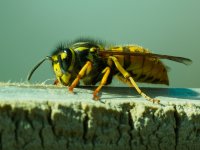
[64, 65]
[62, 59]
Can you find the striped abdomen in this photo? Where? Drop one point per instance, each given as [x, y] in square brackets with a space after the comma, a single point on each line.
[142, 68]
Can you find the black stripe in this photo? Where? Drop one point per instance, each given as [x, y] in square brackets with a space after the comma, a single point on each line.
[69, 56]
[156, 80]
[150, 78]
[142, 76]
[139, 77]
[126, 57]
[143, 60]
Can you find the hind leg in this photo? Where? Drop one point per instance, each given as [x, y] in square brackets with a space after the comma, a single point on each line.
[131, 80]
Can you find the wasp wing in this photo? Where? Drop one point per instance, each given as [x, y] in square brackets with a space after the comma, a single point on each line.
[183, 60]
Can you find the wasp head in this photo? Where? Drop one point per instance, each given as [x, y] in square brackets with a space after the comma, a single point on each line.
[62, 63]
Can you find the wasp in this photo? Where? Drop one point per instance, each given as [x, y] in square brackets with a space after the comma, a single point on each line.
[91, 62]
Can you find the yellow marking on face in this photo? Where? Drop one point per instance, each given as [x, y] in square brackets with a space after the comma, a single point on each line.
[57, 69]
[63, 55]
[56, 66]
[54, 58]
[65, 78]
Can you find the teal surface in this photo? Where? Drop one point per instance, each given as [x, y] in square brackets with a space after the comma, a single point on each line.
[10, 92]
[30, 30]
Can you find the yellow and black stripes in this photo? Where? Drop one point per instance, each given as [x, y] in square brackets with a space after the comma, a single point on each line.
[141, 68]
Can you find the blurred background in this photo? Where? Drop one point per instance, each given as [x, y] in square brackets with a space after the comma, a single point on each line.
[30, 30]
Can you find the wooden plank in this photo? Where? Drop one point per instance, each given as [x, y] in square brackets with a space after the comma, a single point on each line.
[49, 117]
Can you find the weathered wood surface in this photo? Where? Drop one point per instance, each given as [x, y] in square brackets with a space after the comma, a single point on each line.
[49, 117]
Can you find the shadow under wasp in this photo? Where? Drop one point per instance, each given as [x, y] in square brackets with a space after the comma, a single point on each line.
[92, 62]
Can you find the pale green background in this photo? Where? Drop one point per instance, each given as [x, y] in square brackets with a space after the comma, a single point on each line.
[29, 30]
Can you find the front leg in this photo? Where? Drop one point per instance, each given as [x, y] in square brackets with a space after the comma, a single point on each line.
[106, 73]
[84, 70]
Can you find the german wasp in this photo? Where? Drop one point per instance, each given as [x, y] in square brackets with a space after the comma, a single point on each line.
[92, 62]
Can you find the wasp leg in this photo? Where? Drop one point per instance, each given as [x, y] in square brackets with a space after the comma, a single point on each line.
[56, 82]
[85, 69]
[124, 80]
[106, 72]
[127, 76]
